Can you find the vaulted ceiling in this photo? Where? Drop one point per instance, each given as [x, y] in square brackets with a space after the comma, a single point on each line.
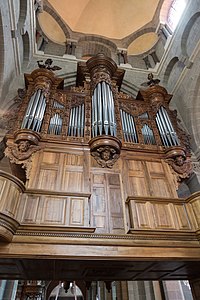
[130, 24]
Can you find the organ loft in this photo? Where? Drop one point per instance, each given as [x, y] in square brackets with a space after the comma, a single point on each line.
[92, 192]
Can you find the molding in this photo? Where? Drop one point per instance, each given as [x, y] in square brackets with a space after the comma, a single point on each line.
[57, 193]
[8, 227]
[74, 237]
[14, 179]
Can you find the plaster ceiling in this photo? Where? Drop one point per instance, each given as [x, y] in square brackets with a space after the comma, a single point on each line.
[109, 18]
[112, 19]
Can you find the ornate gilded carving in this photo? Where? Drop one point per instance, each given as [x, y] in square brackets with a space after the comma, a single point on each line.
[101, 74]
[179, 162]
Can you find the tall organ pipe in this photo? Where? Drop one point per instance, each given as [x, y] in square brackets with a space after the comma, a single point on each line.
[76, 121]
[165, 127]
[128, 127]
[103, 116]
[35, 112]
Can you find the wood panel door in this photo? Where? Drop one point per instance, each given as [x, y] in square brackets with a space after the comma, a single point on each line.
[106, 203]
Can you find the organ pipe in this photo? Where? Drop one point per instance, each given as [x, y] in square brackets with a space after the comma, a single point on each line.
[148, 135]
[103, 116]
[35, 112]
[165, 127]
[76, 121]
[128, 127]
[55, 126]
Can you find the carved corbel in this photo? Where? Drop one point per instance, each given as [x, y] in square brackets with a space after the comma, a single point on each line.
[20, 152]
[105, 150]
[181, 164]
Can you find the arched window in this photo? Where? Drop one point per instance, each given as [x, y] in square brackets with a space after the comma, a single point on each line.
[174, 14]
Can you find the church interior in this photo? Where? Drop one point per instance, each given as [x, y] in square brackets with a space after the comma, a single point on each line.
[100, 150]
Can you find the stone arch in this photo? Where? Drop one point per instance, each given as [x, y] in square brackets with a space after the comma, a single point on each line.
[169, 69]
[190, 26]
[91, 45]
[87, 49]
[100, 40]
[129, 39]
[54, 283]
[193, 119]
[66, 29]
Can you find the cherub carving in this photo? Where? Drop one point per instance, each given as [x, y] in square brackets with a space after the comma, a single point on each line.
[181, 165]
[105, 156]
[47, 65]
[21, 150]
[151, 81]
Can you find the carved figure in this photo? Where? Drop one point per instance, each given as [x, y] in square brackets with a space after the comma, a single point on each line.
[105, 156]
[181, 165]
[151, 81]
[47, 65]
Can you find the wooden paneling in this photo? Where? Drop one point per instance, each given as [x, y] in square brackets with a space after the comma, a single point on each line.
[47, 179]
[79, 212]
[143, 211]
[72, 181]
[9, 197]
[115, 203]
[138, 184]
[195, 204]
[30, 208]
[54, 211]
[99, 208]
[159, 179]
[164, 216]
[154, 213]
[182, 217]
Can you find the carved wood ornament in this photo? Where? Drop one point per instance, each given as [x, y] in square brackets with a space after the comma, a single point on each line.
[21, 151]
[179, 162]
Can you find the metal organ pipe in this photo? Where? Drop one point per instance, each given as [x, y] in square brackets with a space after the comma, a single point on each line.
[167, 132]
[128, 127]
[76, 121]
[148, 135]
[103, 116]
[105, 109]
[35, 112]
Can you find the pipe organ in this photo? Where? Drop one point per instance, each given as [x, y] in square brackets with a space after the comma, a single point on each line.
[96, 160]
